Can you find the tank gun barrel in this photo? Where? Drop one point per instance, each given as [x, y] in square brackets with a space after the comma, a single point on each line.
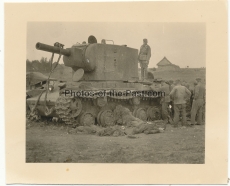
[53, 49]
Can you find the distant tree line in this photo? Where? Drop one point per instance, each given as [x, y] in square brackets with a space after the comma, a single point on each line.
[42, 65]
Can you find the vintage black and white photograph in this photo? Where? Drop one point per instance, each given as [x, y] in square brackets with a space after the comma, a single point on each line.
[115, 92]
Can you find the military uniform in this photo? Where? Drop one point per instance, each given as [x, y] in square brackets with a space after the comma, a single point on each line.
[171, 86]
[188, 105]
[198, 103]
[180, 94]
[144, 56]
[165, 101]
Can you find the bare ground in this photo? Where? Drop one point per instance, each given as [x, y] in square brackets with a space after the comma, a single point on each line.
[55, 143]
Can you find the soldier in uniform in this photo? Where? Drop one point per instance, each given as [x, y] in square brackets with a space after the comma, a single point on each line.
[188, 106]
[179, 94]
[144, 56]
[198, 103]
[171, 85]
[192, 91]
[165, 102]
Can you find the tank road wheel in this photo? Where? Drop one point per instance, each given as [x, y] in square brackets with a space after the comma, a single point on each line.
[98, 118]
[76, 107]
[102, 101]
[141, 114]
[106, 118]
[153, 113]
[157, 113]
[150, 114]
[136, 101]
[87, 119]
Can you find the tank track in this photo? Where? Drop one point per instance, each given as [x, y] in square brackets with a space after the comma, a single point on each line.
[64, 110]
[62, 107]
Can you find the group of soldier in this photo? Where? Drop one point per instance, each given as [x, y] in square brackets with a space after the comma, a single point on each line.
[180, 101]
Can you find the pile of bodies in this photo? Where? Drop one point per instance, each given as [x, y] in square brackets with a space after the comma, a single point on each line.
[125, 124]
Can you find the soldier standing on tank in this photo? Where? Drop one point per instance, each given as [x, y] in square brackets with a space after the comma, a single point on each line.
[144, 56]
[179, 94]
[198, 103]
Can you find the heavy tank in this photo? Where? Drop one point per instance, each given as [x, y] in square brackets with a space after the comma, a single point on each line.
[103, 77]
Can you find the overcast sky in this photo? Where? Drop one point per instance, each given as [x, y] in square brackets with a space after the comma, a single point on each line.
[182, 43]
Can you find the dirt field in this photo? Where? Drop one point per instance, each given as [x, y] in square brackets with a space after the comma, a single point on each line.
[55, 143]
[51, 143]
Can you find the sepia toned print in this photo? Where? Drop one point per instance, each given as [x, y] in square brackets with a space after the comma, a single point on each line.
[95, 100]
[48, 151]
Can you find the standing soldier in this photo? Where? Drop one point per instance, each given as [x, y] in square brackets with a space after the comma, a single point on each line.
[165, 101]
[179, 94]
[198, 103]
[192, 89]
[188, 106]
[144, 56]
[171, 86]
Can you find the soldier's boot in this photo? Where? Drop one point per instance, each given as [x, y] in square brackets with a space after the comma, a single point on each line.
[142, 73]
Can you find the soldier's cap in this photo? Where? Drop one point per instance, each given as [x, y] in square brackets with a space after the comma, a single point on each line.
[145, 39]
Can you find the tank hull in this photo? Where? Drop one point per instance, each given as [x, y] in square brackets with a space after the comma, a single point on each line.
[130, 95]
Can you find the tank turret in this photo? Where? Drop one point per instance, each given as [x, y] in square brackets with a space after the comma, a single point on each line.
[99, 61]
